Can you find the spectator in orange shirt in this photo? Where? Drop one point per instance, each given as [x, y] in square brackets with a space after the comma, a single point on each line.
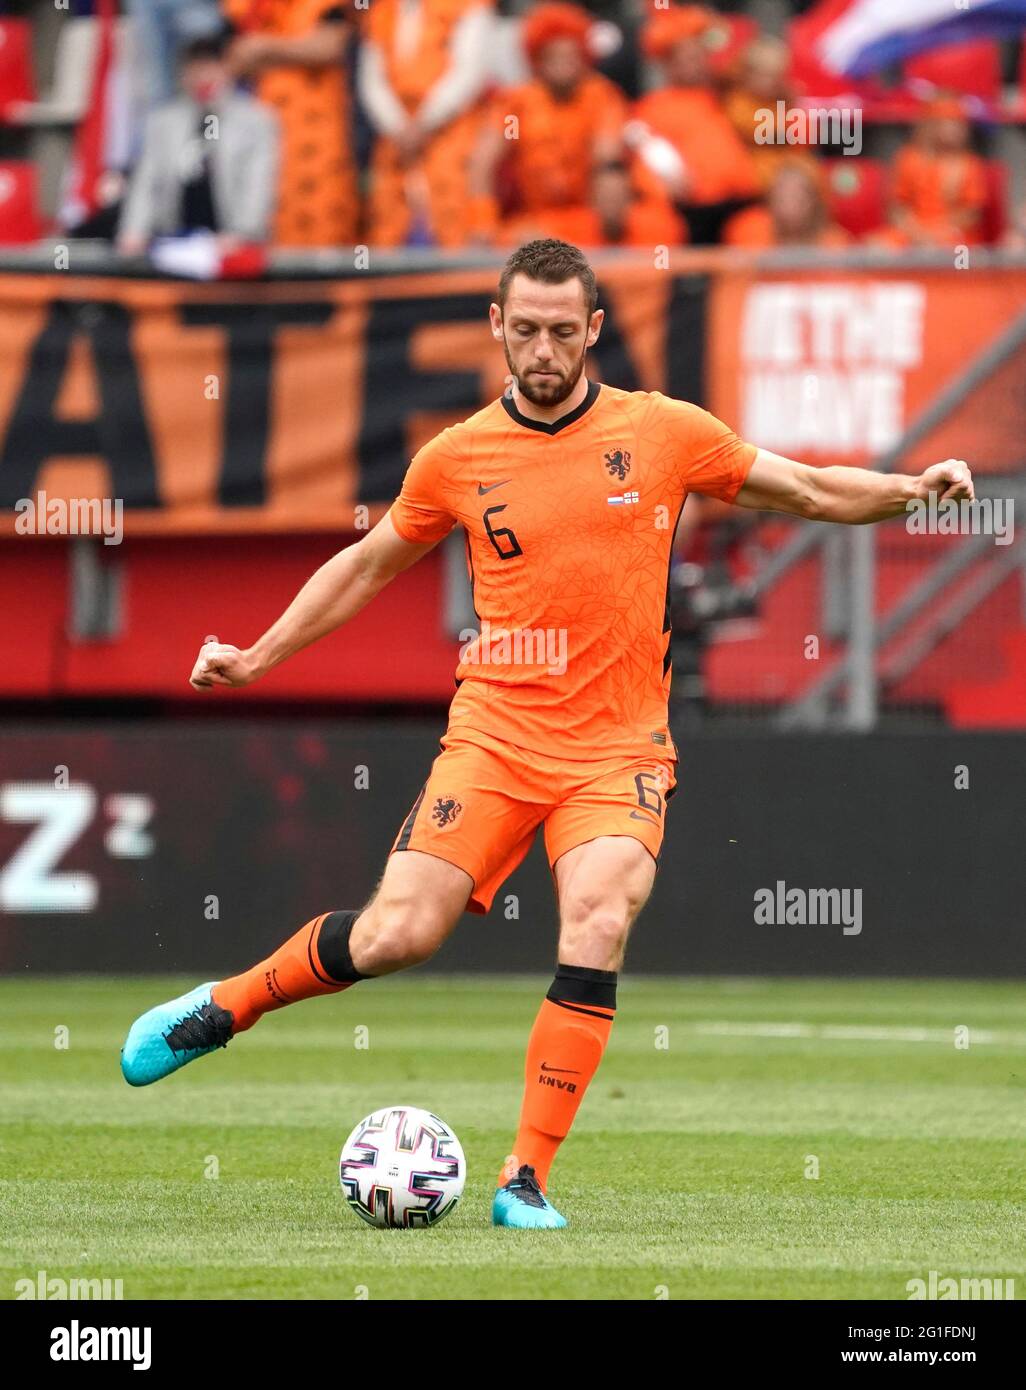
[762, 81]
[616, 216]
[939, 185]
[682, 132]
[422, 71]
[292, 52]
[795, 214]
[543, 140]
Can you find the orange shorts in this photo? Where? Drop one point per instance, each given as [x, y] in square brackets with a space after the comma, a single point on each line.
[484, 799]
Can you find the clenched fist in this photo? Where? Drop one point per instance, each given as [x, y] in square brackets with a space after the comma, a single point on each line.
[220, 664]
[951, 480]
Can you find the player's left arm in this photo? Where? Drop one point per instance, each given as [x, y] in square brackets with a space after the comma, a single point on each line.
[852, 495]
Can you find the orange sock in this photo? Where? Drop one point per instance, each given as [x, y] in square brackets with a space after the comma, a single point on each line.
[315, 961]
[566, 1045]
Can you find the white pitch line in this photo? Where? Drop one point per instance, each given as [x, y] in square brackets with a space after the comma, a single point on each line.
[856, 1033]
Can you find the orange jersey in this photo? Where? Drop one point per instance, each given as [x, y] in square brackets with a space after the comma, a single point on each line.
[412, 74]
[569, 530]
[318, 198]
[937, 188]
[550, 160]
[719, 164]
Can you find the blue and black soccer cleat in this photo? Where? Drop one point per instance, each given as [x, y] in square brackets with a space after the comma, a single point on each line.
[172, 1034]
[523, 1204]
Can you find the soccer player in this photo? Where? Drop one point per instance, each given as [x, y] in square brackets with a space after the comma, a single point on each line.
[569, 493]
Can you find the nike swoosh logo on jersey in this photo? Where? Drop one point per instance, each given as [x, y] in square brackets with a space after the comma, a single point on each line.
[636, 815]
[481, 489]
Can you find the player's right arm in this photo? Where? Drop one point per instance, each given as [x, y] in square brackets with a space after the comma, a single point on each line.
[330, 597]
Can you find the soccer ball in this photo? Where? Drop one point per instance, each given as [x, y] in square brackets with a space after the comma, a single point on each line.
[402, 1167]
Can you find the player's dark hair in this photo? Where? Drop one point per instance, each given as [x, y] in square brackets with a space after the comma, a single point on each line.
[551, 262]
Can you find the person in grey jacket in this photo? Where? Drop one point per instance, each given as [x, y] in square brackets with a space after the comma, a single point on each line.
[209, 160]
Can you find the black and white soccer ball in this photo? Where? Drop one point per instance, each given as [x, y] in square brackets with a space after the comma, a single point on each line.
[402, 1167]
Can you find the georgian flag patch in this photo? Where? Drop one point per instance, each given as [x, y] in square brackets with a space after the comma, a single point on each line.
[623, 498]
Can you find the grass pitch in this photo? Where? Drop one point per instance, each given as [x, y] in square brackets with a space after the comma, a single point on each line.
[687, 1175]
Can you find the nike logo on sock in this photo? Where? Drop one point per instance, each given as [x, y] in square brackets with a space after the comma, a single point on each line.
[569, 1071]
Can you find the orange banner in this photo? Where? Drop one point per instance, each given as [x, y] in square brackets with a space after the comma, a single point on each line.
[296, 405]
[271, 406]
[834, 366]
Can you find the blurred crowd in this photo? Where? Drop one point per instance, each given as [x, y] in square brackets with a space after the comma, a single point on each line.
[449, 123]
